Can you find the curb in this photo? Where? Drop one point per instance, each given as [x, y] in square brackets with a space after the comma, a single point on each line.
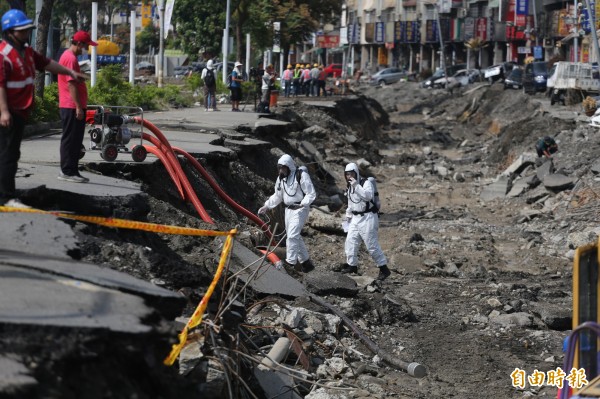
[40, 128]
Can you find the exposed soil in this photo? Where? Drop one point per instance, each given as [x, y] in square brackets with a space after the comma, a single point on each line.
[461, 266]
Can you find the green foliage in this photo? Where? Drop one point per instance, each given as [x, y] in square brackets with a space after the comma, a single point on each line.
[112, 89]
[194, 82]
[46, 109]
[148, 37]
[200, 26]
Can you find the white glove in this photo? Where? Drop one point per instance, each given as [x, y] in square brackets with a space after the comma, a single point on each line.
[346, 224]
[263, 210]
[352, 181]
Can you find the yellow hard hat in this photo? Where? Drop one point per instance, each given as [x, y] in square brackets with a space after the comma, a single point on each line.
[307, 66]
[298, 65]
[316, 65]
[289, 66]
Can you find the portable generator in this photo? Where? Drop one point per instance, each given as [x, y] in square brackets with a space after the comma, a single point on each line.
[112, 129]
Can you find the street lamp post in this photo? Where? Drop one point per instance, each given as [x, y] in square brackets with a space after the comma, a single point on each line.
[226, 41]
[161, 41]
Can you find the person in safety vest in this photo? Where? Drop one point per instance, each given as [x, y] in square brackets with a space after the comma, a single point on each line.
[363, 223]
[296, 80]
[287, 76]
[297, 195]
[306, 80]
[18, 63]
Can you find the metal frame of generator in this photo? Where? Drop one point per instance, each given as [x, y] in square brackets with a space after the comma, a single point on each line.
[111, 132]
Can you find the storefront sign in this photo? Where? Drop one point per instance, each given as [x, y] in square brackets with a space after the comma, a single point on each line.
[379, 33]
[328, 41]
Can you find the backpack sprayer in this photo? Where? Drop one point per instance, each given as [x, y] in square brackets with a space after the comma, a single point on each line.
[110, 134]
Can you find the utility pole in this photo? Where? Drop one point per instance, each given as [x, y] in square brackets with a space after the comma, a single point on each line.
[226, 42]
[440, 36]
[161, 41]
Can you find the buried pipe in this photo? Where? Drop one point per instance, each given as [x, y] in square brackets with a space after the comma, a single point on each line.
[278, 352]
[170, 170]
[413, 369]
[211, 182]
[168, 151]
[272, 257]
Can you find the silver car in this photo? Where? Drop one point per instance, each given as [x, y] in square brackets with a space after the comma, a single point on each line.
[388, 76]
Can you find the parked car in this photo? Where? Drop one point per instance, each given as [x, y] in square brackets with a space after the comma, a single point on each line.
[230, 65]
[498, 72]
[535, 77]
[182, 70]
[145, 66]
[462, 77]
[198, 66]
[514, 79]
[387, 76]
[452, 69]
[333, 69]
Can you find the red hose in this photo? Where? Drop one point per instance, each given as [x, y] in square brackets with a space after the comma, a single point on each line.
[271, 256]
[237, 207]
[168, 151]
[163, 158]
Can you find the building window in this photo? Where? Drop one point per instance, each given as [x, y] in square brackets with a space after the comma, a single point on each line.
[387, 16]
[429, 11]
[410, 13]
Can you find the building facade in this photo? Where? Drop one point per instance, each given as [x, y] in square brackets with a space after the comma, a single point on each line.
[409, 33]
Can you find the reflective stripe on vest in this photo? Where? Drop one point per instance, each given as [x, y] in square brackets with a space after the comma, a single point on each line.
[20, 79]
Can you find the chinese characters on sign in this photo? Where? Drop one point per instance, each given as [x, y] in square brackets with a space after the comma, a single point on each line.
[328, 41]
[379, 33]
[556, 378]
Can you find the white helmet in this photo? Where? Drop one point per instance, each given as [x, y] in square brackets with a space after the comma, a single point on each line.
[209, 64]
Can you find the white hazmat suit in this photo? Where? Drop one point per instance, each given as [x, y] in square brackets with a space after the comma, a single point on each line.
[363, 224]
[297, 198]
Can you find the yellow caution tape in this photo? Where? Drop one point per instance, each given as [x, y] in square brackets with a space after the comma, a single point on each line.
[123, 223]
[196, 318]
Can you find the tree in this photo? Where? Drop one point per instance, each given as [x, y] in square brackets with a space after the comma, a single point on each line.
[299, 19]
[474, 44]
[147, 38]
[41, 41]
[200, 26]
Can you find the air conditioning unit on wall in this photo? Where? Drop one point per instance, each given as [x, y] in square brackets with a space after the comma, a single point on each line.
[462, 13]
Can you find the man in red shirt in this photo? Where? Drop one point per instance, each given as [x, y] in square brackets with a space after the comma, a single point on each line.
[18, 63]
[72, 101]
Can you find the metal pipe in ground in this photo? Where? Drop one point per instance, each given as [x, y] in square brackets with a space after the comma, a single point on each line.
[413, 369]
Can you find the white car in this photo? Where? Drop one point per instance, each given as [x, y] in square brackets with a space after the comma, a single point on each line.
[462, 77]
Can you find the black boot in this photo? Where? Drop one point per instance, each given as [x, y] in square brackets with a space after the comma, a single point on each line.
[384, 273]
[307, 266]
[349, 269]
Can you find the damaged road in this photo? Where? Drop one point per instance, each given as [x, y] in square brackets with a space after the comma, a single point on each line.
[479, 238]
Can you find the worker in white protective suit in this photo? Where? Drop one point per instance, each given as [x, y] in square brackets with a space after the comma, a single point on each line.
[363, 223]
[295, 189]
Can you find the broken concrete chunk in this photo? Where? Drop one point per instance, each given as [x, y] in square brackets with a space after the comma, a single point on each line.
[558, 182]
[520, 164]
[497, 189]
